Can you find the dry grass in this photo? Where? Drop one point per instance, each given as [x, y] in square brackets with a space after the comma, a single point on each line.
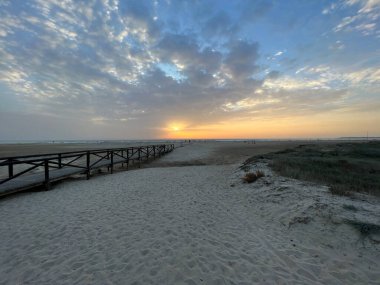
[366, 230]
[344, 167]
[253, 176]
[339, 190]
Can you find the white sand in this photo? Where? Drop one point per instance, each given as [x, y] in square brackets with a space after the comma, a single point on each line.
[186, 225]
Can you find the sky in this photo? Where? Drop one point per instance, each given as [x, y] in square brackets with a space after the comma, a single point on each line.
[109, 69]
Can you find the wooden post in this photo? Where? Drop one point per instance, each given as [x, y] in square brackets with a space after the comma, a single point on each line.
[47, 178]
[154, 151]
[147, 153]
[10, 168]
[111, 161]
[108, 157]
[59, 160]
[88, 165]
[127, 158]
[139, 156]
[122, 156]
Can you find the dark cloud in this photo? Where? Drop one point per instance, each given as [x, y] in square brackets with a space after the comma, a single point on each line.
[219, 25]
[273, 74]
[139, 10]
[178, 46]
[241, 60]
[252, 10]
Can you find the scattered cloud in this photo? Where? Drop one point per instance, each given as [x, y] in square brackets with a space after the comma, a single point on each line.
[330, 9]
[338, 45]
[278, 53]
[289, 83]
[364, 19]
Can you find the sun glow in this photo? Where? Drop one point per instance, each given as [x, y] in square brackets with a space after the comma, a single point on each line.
[175, 129]
[301, 126]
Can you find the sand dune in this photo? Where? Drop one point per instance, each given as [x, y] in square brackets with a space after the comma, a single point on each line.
[195, 224]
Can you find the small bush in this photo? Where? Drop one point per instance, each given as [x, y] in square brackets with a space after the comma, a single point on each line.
[365, 228]
[339, 190]
[253, 176]
[350, 207]
[288, 150]
[300, 220]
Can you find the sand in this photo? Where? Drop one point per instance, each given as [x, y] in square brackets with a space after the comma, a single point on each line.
[176, 222]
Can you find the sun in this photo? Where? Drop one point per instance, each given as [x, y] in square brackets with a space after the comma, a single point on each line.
[175, 128]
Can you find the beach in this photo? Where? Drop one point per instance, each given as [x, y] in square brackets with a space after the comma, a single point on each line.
[188, 218]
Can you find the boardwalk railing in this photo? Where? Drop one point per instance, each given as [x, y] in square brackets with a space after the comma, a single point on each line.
[22, 172]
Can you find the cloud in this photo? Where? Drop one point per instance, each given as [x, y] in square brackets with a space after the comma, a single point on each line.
[219, 25]
[335, 78]
[366, 6]
[338, 45]
[278, 53]
[253, 10]
[284, 103]
[329, 9]
[367, 76]
[241, 61]
[292, 84]
[364, 19]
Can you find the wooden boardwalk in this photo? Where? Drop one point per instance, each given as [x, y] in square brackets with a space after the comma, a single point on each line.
[25, 172]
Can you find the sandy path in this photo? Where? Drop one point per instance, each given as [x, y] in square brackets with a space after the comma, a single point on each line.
[173, 225]
[221, 153]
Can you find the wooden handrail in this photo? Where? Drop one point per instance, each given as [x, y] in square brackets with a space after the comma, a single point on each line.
[78, 151]
[80, 160]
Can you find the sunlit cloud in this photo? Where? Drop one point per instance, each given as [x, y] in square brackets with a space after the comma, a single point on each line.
[288, 83]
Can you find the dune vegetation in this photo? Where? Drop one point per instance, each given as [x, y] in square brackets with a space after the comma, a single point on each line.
[344, 167]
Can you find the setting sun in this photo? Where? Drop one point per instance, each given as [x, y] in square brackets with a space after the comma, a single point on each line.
[174, 130]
